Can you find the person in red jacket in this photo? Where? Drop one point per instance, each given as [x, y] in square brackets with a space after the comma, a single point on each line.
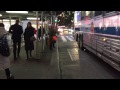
[52, 37]
[35, 31]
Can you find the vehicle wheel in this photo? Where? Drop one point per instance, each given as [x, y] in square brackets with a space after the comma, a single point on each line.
[77, 37]
[81, 42]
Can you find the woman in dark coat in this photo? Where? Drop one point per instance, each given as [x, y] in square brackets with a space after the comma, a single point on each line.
[29, 45]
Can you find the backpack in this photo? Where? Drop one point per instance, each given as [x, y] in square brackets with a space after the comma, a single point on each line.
[4, 48]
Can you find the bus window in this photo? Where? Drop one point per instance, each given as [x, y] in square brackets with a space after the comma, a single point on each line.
[97, 13]
[77, 29]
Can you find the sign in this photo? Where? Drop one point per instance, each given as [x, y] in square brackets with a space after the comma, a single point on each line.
[77, 16]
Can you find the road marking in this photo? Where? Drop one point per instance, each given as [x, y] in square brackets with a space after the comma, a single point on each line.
[72, 37]
[70, 55]
[76, 50]
[69, 38]
[63, 38]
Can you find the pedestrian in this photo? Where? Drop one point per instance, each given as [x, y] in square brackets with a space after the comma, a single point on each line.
[92, 28]
[29, 44]
[16, 31]
[39, 32]
[52, 37]
[4, 57]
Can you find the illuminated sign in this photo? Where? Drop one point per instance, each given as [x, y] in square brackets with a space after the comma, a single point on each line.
[77, 16]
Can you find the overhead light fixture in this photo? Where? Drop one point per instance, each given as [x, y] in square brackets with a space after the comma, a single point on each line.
[0, 15]
[6, 20]
[32, 18]
[23, 12]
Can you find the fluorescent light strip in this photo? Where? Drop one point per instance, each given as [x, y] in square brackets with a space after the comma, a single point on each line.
[24, 12]
[7, 20]
[31, 18]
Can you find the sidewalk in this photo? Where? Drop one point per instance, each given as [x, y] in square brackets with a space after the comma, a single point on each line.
[44, 64]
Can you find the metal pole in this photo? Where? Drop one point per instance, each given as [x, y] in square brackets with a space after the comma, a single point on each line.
[2, 20]
[45, 22]
[10, 20]
[10, 34]
[42, 29]
[37, 24]
[36, 43]
[51, 18]
[20, 21]
[55, 18]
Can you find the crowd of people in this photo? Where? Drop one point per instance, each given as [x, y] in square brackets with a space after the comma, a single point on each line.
[17, 31]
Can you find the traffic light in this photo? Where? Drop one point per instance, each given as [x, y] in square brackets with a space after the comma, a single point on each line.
[55, 20]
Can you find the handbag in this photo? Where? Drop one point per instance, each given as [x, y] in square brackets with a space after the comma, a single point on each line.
[32, 38]
[54, 38]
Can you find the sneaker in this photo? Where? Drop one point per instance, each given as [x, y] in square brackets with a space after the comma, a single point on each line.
[27, 59]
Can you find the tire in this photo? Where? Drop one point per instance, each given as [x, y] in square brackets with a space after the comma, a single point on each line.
[77, 37]
[81, 42]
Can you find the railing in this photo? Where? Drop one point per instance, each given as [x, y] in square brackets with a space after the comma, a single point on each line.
[107, 47]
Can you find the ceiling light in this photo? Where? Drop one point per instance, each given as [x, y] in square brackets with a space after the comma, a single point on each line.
[0, 15]
[24, 12]
[7, 20]
[31, 18]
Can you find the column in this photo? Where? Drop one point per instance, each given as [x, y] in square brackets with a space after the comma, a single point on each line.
[45, 24]
[42, 29]
[37, 24]
[2, 20]
[51, 18]
[10, 20]
[10, 34]
[19, 20]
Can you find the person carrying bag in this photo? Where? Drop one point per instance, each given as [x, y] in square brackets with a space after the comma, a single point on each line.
[4, 52]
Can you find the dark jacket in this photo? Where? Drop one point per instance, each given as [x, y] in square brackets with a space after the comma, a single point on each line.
[39, 32]
[29, 32]
[16, 31]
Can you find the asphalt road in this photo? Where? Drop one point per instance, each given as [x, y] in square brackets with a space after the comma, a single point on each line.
[78, 64]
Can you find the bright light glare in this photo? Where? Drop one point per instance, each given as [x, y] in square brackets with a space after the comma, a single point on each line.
[60, 30]
[24, 12]
[7, 20]
[0, 15]
[31, 18]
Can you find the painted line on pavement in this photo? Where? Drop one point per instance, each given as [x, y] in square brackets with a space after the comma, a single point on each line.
[70, 55]
[69, 38]
[63, 38]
